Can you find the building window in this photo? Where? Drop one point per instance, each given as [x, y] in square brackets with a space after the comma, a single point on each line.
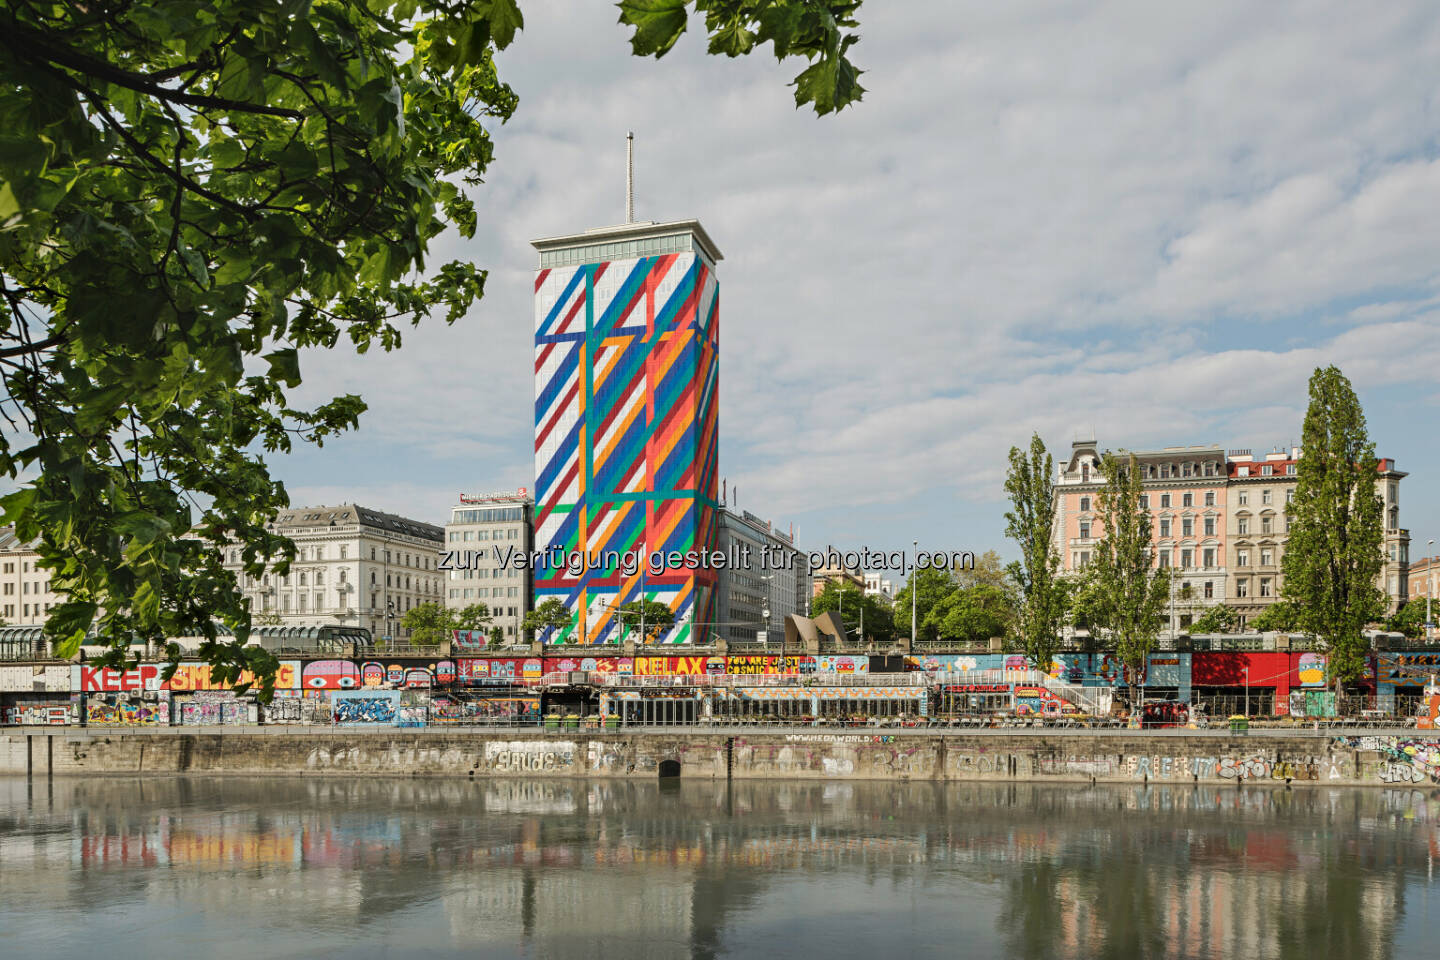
[1209, 526]
[1267, 557]
[1242, 588]
[1243, 498]
[1144, 501]
[1187, 559]
[1164, 500]
[1242, 558]
[1084, 530]
[1290, 469]
[1084, 559]
[1209, 556]
[1242, 525]
[1209, 498]
[1187, 527]
[1187, 500]
[1265, 497]
[1165, 526]
[1264, 586]
[1084, 504]
[344, 552]
[1267, 525]
[1209, 589]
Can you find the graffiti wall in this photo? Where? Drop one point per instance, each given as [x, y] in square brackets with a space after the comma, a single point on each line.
[1399, 760]
[188, 677]
[370, 707]
[484, 710]
[127, 711]
[39, 714]
[216, 708]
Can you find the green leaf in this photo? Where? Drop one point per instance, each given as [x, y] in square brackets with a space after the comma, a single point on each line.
[141, 526]
[285, 366]
[658, 24]
[505, 19]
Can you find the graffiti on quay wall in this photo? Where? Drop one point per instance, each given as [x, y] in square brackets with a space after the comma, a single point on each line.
[363, 710]
[1158, 767]
[188, 677]
[331, 675]
[142, 713]
[213, 710]
[38, 714]
[372, 675]
[447, 710]
[1405, 759]
[528, 756]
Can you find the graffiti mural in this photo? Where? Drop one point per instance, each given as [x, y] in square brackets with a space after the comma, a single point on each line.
[38, 714]
[140, 713]
[331, 675]
[1403, 759]
[364, 710]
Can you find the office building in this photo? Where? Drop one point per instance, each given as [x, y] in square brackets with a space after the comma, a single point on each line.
[484, 539]
[626, 372]
[775, 581]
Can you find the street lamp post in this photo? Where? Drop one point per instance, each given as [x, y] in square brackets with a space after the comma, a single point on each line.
[1246, 671]
[1430, 562]
[914, 591]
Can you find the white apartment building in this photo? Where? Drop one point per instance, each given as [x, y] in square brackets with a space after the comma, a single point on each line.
[25, 596]
[481, 533]
[353, 566]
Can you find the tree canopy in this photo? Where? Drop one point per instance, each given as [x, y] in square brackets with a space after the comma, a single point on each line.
[1128, 592]
[1040, 607]
[1335, 553]
[432, 623]
[850, 600]
[192, 192]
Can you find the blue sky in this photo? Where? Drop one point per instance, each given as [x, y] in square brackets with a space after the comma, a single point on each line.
[1149, 221]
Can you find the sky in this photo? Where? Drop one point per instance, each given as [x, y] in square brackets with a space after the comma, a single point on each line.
[1146, 223]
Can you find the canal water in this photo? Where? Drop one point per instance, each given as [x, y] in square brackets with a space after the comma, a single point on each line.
[216, 868]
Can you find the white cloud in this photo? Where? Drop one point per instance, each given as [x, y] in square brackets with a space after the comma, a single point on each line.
[1152, 220]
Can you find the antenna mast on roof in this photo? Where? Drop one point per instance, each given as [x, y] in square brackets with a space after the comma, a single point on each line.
[630, 177]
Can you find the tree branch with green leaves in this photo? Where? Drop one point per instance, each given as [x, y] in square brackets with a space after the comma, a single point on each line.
[192, 193]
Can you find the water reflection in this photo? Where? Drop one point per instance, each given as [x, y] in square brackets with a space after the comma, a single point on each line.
[572, 868]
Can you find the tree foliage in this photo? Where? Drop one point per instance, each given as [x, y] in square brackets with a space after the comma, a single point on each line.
[1218, 619]
[646, 619]
[973, 614]
[1335, 552]
[549, 615]
[930, 586]
[1129, 592]
[1040, 611]
[813, 29]
[850, 600]
[1279, 616]
[192, 192]
[1410, 619]
[433, 623]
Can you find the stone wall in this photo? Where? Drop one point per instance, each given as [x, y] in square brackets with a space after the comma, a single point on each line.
[799, 755]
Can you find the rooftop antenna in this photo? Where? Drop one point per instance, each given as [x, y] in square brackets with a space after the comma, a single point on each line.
[630, 177]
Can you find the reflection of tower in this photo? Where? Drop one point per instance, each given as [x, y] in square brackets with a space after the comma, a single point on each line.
[626, 371]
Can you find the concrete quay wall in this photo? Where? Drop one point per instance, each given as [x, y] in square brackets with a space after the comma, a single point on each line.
[1129, 758]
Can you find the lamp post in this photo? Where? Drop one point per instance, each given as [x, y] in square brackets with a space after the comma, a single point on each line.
[1246, 671]
[389, 618]
[1429, 562]
[914, 591]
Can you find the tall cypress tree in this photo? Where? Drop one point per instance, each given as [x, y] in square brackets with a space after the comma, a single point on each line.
[1030, 524]
[1129, 591]
[1335, 553]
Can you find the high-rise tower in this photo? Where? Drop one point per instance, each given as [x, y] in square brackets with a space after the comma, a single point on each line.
[626, 390]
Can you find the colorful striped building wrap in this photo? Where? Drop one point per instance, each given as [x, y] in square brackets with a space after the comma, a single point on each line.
[626, 397]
